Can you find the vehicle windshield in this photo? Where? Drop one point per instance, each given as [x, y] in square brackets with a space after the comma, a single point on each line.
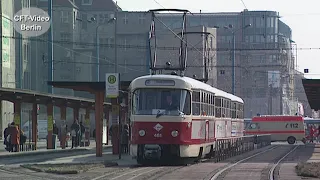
[162, 101]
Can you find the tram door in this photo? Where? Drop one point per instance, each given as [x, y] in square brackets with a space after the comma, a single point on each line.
[207, 136]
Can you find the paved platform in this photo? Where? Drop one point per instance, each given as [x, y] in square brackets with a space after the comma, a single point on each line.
[107, 157]
[307, 153]
[43, 150]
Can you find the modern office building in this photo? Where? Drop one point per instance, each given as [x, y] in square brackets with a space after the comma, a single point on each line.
[8, 58]
[263, 59]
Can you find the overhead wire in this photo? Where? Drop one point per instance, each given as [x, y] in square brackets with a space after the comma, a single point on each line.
[176, 33]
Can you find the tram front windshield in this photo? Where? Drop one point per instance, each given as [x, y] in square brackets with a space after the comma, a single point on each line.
[154, 101]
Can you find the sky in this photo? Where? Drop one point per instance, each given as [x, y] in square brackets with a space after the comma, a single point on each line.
[302, 17]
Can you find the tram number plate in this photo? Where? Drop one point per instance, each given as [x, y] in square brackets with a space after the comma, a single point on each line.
[158, 135]
[292, 125]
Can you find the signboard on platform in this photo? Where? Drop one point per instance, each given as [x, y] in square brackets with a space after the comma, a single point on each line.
[112, 85]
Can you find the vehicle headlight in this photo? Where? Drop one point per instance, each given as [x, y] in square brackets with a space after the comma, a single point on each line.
[142, 132]
[174, 133]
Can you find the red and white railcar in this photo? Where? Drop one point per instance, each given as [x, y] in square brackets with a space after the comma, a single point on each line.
[180, 117]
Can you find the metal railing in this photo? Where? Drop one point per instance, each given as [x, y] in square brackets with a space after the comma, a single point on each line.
[226, 148]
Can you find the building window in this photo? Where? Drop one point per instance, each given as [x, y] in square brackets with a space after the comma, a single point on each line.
[86, 2]
[272, 22]
[125, 65]
[64, 17]
[251, 21]
[65, 37]
[25, 3]
[142, 18]
[25, 52]
[102, 19]
[125, 19]
[259, 22]
[84, 22]
[125, 44]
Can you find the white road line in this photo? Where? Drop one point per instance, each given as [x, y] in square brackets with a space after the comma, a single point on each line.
[226, 168]
[271, 172]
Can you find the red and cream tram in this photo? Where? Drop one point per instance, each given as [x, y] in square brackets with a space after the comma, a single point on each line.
[176, 117]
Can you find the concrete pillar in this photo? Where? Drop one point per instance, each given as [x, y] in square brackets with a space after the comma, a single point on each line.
[63, 117]
[17, 113]
[35, 124]
[87, 126]
[76, 114]
[99, 97]
[50, 125]
[115, 126]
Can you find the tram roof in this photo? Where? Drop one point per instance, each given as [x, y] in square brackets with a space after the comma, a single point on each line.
[195, 84]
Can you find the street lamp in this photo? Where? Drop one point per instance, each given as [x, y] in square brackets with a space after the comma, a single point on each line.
[230, 28]
[98, 46]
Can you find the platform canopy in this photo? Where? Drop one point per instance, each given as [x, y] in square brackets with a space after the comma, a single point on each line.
[312, 90]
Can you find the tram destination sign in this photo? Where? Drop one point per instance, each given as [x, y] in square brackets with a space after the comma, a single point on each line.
[159, 82]
[112, 85]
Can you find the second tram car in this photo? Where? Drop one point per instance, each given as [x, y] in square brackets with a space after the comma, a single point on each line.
[175, 117]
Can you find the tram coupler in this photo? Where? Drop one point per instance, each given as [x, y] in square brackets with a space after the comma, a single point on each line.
[152, 151]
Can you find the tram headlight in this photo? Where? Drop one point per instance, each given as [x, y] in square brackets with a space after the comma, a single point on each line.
[142, 132]
[174, 133]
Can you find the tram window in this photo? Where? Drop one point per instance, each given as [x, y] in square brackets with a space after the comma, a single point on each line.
[148, 101]
[196, 96]
[202, 108]
[233, 106]
[212, 99]
[202, 96]
[187, 107]
[196, 108]
[212, 110]
[218, 102]
[218, 112]
[223, 112]
[207, 104]
[196, 102]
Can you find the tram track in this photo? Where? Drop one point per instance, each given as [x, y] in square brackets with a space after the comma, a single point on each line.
[25, 175]
[262, 165]
[138, 173]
